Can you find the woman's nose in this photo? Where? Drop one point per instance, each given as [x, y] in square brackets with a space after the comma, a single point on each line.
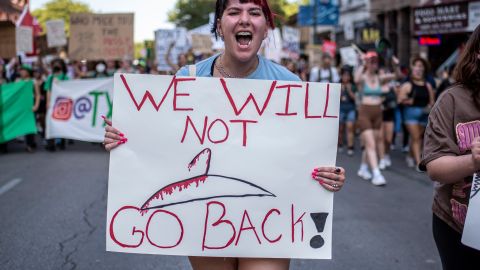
[244, 18]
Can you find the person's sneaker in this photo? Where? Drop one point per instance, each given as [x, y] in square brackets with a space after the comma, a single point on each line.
[350, 152]
[406, 149]
[410, 162]
[388, 161]
[379, 180]
[382, 165]
[364, 174]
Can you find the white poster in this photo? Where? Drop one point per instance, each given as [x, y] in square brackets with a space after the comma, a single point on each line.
[349, 56]
[24, 39]
[76, 108]
[164, 38]
[470, 236]
[272, 46]
[291, 42]
[56, 33]
[221, 167]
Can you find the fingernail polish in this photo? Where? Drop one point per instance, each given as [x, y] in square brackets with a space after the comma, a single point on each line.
[316, 169]
[121, 134]
[337, 170]
[125, 140]
[119, 142]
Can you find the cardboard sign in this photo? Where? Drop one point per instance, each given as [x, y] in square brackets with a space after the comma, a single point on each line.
[77, 107]
[101, 36]
[202, 43]
[221, 167]
[24, 39]
[164, 39]
[56, 33]
[7, 36]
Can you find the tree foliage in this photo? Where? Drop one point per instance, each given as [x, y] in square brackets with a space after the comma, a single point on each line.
[59, 9]
[194, 13]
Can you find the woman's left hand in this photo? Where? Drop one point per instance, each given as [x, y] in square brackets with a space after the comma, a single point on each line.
[331, 178]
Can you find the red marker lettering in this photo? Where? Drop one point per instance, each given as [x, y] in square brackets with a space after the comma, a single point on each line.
[134, 230]
[179, 223]
[287, 100]
[251, 227]
[176, 94]
[188, 122]
[307, 116]
[294, 223]
[249, 98]
[326, 104]
[217, 223]
[244, 124]
[263, 226]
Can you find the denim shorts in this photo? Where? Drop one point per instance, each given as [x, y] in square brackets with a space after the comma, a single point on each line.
[347, 114]
[415, 116]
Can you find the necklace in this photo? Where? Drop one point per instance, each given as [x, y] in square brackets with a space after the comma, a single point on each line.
[219, 66]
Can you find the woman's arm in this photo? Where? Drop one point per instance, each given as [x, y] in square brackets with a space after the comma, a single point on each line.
[358, 78]
[451, 169]
[36, 88]
[403, 91]
[431, 95]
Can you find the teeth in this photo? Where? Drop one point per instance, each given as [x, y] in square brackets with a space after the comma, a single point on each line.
[244, 34]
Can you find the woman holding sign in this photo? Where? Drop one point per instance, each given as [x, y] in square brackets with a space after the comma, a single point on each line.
[451, 155]
[242, 25]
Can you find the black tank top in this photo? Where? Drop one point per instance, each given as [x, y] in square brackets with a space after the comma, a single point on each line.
[419, 94]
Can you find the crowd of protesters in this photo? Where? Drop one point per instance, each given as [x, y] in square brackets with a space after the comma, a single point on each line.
[378, 102]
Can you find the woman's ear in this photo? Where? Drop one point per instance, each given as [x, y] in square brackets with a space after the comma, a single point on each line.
[219, 29]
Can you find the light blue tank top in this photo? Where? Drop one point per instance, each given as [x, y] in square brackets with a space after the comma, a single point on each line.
[368, 91]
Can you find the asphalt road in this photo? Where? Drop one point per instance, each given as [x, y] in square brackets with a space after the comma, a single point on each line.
[53, 207]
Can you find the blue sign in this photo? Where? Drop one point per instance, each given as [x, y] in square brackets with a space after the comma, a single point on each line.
[326, 15]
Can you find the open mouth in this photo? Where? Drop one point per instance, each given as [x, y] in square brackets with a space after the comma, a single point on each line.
[244, 38]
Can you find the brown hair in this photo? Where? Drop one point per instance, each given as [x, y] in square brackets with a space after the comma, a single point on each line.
[221, 5]
[467, 70]
[426, 65]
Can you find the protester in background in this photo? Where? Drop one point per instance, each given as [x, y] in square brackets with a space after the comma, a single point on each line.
[25, 74]
[42, 107]
[3, 79]
[370, 113]
[386, 131]
[446, 82]
[111, 67]
[418, 97]
[347, 109]
[451, 157]
[59, 73]
[242, 26]
[100, 70]
[126, 66]
[325, 73]
[181, 59]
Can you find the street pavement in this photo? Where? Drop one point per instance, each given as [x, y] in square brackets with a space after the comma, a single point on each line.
[53, 216]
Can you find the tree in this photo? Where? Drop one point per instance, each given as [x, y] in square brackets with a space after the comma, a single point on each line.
[59, 9]
[194, 13]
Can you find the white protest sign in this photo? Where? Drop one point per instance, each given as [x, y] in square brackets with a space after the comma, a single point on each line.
[349, 56]
[291, 41]
[56, 33]
[470, 235]
[76, 109]
[24, 39]
[221, 167]
[164, 38]
[272, 46]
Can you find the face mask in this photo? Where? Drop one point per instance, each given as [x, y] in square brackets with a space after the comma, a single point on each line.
[100, 68]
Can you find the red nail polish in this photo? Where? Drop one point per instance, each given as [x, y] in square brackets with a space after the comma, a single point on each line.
[121, 134]
[125, 140]
[119, 142]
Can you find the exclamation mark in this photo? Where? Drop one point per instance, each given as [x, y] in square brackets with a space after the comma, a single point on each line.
[319, 219]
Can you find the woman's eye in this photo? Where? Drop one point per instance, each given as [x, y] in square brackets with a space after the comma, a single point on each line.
[255, 13]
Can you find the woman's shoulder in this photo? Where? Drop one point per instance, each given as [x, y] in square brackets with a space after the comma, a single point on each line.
[275, 71]
[203, 68]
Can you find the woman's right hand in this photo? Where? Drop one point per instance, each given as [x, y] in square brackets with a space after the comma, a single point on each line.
[113, 137]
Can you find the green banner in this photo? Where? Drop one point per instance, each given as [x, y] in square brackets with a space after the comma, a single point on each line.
[16, 115]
